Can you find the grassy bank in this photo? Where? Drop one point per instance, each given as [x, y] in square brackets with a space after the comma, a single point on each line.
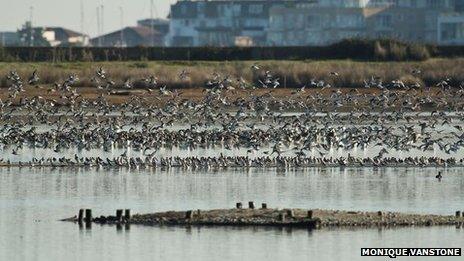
[291, 73]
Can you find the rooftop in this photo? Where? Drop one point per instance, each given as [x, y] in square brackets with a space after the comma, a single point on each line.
[63, 31]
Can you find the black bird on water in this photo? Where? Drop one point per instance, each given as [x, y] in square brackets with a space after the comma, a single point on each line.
[439, 176]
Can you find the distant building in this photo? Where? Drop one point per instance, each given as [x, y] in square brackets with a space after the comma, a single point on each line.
[130, 36]
[50, 36]
[329, 21]
[9, 39]
[59, 36]
[159, 25]
[222, 22]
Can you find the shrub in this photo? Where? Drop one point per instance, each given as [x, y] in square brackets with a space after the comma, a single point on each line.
[140, 65]
[380, 53]
[5, 56]
[418, 52]
[398, 52]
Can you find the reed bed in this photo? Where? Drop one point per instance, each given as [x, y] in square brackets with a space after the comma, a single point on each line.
[291, 74]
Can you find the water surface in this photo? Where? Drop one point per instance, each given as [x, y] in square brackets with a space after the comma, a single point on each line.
[32, 200]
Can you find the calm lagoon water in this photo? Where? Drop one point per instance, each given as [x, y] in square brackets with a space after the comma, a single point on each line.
[32, 200]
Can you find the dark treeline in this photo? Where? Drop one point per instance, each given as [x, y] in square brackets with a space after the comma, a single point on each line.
[363, 50]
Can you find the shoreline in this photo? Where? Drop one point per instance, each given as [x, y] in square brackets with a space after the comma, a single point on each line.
[236, 162]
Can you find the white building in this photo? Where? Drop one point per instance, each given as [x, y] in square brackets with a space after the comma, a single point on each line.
[222, 22]
[59, 36]
[308, 22]
[330, 21]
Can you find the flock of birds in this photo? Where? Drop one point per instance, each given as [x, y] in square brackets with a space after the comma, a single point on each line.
[231, 125]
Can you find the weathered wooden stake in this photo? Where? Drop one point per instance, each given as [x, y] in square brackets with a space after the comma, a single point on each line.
[251, 205]
[127, 214]
[80, 216]
[118, 215]
[290, 213]
[239, 205]
[310, 214]
[88, 216]
[282, 217]
[458, 213]
[189, 214]
[263, 205]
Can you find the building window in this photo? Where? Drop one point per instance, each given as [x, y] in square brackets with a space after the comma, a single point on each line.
[313, 21]
[349, 20]
[435, 3]
[452, 31]
[183, 9]
[182, 41]
[255, 9]
[384, 21]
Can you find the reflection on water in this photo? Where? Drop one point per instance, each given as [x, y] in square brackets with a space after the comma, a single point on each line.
[31, 200]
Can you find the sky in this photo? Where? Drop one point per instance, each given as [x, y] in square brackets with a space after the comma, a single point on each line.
[67, 13]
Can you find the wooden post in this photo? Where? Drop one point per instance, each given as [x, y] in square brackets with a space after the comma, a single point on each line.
[263, 205]
[458, 217]
[251, 205]
[80, 216]
[290, 213]
[310, 214]
[88, 216]
[239, 205]
[118, 215]
[189, 214]
[127, 215]
[282, 217]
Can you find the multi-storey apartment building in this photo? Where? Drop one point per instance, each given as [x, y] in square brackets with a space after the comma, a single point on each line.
[313, 22]
[329, 21]
[222, 22]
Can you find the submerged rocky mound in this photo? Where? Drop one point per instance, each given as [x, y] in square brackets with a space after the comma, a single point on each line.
[282, 217]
